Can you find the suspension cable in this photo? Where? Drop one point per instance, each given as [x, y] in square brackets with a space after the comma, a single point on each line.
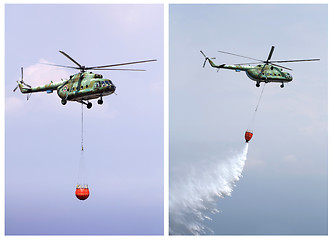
[82, 128]
[252, 122]
[259, 100]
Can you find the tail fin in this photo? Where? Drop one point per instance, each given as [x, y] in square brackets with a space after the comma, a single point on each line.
[24, 88]
[208, 59]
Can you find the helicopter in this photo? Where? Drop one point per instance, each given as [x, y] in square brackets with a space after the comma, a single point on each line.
[80, 87]
[266, 71]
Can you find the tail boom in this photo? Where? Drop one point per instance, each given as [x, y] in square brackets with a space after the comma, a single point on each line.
[48, 87]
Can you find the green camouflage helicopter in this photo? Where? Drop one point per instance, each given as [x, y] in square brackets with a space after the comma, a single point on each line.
[80, 87]
[267, 71]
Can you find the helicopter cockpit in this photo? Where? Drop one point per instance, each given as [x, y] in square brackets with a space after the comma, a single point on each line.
[103, 83]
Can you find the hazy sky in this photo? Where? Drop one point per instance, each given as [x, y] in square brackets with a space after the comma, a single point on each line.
[123, 137]
[284, 184]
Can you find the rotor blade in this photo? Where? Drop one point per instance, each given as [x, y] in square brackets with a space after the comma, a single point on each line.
[247, 63]
[71, 59]
[15, 88]
[270, 55]
[203, 53]
[204, 62]
[297, 60]
[265, 65]
[281, 66]
[120, 69]
[241, 56]
[26, 84]
[60, 65]
[120, 64]
[262, 70]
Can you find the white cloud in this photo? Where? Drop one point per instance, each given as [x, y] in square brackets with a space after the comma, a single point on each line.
[290, 159]
[255, 163]
[36, 75]
[14, 104]
[41, 74]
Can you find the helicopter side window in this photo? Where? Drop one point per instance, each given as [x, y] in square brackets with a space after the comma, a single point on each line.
[97, 84]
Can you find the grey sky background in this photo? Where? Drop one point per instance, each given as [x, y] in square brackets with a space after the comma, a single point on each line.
[123, 138]
[284, 184]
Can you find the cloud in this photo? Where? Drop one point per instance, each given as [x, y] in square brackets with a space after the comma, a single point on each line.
[14, 104]
[256, 163]
[41, 74]
[290, 159]
[36, 75]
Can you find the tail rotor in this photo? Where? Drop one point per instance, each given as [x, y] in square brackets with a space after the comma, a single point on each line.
[205, 58]
[21, 81]
[23, 89]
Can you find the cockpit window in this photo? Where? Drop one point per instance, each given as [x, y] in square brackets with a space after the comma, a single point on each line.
[98, 76]
[103, 83]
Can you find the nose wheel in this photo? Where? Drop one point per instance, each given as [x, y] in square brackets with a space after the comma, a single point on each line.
[100, 101]
[257, 84]
[63, 101]
[282, 85]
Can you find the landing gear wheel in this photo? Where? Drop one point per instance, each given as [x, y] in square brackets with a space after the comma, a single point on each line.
[63, 101]
[100, 101]
[282, 85]
[257, 84]
[89, 105]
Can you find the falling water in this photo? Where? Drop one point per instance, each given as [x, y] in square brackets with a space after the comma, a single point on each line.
[195, 189]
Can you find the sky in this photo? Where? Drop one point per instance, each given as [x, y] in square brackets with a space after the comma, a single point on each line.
[123, 138]
[283, 188]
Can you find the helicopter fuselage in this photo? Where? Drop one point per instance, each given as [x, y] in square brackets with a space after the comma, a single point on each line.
[255, 73]
[79, 87]
[85, 86]
[267, 71]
